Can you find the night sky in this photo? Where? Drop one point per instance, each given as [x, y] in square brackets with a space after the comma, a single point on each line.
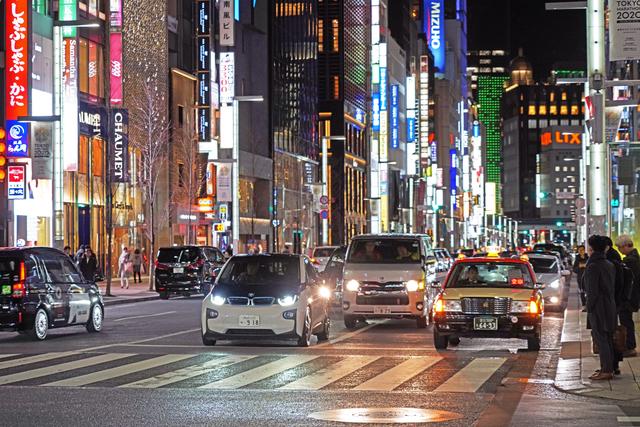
[547, 37]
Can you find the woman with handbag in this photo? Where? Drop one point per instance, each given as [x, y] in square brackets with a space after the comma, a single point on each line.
[125, 267]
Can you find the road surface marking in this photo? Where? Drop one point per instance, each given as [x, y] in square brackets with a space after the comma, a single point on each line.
[6, 356]
[143, 317]
[119, 371]
[188, 372]
[188, 331]
[261, 372]
[629, 419]
[331, 373]
[34, 359]
[470, 378]
[61, 367]
[350, 334]
[394, 377]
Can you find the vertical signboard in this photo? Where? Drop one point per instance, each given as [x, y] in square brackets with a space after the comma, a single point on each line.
[115, 73]
[383, 88]
[624, 30]
[424, 111]
[16, 41]
[203, 51]
[15, 184]
[223, 182]
[70, 104]
[17, 139]
[227, 77]
[68, 12]
[395, 118]
[119, 152]
[41, 150]
[375, 123]
[225, 14]
[433, 27]
[115, 13]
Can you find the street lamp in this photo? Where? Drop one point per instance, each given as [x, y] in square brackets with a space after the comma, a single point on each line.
[325, 173]
[235, 156]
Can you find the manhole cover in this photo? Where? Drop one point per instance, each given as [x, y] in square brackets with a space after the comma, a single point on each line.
[385, 415]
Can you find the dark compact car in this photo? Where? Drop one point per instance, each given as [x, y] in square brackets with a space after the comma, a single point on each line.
[40, 288]
[332, 274]
[187, 270]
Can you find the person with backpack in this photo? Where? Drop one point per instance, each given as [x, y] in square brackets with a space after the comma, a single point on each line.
[632, 262]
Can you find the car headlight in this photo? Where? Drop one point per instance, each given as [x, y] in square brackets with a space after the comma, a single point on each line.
[218, 300]
[287, 300]
[353, 285]
[519, 306]
[414, 285]
[324, 292]
[555, 284]
[452, 305]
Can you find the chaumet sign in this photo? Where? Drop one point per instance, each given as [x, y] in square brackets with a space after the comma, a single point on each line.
[558, 137]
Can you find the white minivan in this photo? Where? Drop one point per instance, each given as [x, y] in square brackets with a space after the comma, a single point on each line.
[389, 276]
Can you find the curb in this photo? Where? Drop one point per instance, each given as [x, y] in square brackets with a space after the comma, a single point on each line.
[108, 302]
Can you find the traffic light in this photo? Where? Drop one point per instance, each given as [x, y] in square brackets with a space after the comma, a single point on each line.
[559, 223]
[3, 152]
[615, 203]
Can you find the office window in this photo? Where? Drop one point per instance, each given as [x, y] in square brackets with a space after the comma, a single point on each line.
[557, 179]
[83, 66]
[565, 169]
[97, 157]
[552, 96]
[575, 110]
[557, 168]
[320, 35]
[564, 96]
[573, 168]
[532, 110]
[564, 110]
[553, 110]
[542, 109]
[83, 155]
[180, 115]
[336, 35]
[336, 87]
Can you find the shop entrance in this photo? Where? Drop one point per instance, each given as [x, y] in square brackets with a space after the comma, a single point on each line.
[84, 225]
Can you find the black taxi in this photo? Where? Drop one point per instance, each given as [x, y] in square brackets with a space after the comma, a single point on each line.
[41, 288]
[489, 297]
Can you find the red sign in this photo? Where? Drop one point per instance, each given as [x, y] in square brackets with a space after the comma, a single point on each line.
[116, 68]
[15, 186]
[17, 58]
[561, 138]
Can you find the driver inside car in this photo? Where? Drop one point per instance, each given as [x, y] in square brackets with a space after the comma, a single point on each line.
[472, 276]
[405, 255]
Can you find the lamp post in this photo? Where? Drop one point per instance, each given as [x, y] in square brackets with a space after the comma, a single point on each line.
[235, 155]
[325, 177]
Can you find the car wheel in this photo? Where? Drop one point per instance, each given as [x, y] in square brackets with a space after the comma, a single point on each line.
[164, 295]
[421, 322]
[533, 343]
[439, 341]
[350, 322]
[40, 325]
[208, 341]
[96, 317]
[305, 339]
[324, 334]
[454, 341]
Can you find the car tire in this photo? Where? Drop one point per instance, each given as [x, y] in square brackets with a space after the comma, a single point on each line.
[440, 341]
[40, 327]
[350, 322]
[164, 295]
[96, 319]
[533, 343]
[421, 322]
[208, 341]
[305, 339]
[454, 341]
[324, 334]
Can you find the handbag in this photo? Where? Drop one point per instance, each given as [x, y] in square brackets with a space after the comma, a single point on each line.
[128, 267]
[620, 339]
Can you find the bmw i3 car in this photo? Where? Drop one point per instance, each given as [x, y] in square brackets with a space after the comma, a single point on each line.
[268, 297]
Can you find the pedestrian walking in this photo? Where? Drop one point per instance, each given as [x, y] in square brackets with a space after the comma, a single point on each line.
[632, 261]
[228, 252]
[136, 261]
[579, 265]
[88, 265]
[67, 251]
[124, 267]
[599, 283]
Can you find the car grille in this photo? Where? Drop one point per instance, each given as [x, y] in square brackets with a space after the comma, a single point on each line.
[238, 300]
[263, 300]
[253, 332]
[382, 287]
[486, 305]
[382, 300]
[251, 301]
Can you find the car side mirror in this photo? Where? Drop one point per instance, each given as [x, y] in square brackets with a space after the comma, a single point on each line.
[540, 286]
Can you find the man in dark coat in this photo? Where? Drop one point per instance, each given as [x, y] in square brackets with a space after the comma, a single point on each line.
[632, 261]
[599, 283]
[579, 265]
[88, 265]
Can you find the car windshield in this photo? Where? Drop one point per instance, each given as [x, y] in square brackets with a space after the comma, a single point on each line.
[490, 275]
[174, 255]
[261, 270]
[388, 251]
[544, 265]
[323, 252]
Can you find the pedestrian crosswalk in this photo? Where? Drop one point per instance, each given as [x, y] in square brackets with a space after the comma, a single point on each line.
[303, 372]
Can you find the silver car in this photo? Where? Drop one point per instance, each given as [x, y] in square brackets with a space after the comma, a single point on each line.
[550, 272]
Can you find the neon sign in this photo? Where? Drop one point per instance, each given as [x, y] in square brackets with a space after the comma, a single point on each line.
[17, 58]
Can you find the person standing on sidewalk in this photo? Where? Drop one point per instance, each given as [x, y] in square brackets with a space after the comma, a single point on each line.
[599, 282]
[136, 260]
[621, 291]
[88, 265]
[579, 265]
[632, 261]
[124, 267]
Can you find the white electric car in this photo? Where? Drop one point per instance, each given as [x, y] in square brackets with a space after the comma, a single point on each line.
[266, 297]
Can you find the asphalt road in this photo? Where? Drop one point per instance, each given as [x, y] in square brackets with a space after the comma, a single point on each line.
[148, 367]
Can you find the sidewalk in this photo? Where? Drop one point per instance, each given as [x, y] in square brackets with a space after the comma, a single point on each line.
[577, 362]
[137, 292]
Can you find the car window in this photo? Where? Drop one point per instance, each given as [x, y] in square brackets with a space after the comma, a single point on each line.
[490, 275]
[544, 265]
[60, 269]
[260, 270]
[388, 251]
[323, 252]
[176, 255]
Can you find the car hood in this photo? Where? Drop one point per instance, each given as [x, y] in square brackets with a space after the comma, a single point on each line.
[383, 272]
[243, 290]
[515, 294]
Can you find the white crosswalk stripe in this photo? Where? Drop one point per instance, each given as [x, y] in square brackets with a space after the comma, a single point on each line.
[470, 378]
[394, 377]
[331, 373]
[34, 359]
[119, 371]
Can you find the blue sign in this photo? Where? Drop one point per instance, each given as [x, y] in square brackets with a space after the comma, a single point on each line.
[411, 129]
[17, 139]
[453, 180]
[375, 123]
[395, 118]
[383, 89]
[433, 27]
[476, 129]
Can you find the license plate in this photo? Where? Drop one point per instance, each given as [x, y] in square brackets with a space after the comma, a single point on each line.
[249, 321]
[381, 310]
[178, 270]
[485, 324]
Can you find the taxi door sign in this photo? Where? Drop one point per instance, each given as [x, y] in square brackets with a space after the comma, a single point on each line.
[15, 183]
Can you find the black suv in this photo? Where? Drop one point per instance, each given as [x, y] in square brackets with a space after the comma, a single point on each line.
[40, 288]
[187, 270]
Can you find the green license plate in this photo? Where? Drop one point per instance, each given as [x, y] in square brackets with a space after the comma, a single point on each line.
[485, 324]
[6, 289]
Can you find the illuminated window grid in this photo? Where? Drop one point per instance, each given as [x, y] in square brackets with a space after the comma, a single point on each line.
[336, 35]
[320, 35]
[490, 90]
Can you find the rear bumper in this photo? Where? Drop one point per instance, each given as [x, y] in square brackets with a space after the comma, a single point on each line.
[178, 286]
[462, 325]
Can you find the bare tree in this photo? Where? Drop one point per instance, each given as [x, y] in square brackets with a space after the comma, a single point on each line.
[151, 140]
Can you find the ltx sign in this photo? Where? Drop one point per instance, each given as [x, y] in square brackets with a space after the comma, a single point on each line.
[557, 137]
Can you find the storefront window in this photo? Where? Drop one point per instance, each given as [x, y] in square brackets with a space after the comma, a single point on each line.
[97, 157]
[83, 66]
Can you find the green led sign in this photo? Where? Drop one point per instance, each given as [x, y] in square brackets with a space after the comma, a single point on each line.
[68, 12]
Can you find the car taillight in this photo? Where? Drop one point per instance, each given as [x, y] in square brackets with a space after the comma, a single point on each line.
[161, 266]
[196, 264]
[533, 307]
[438, 307]
[19, 290]
[315, 261]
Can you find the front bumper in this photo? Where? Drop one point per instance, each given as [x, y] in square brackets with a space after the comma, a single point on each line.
[462, 325]
[385, 304]
[226, 325]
